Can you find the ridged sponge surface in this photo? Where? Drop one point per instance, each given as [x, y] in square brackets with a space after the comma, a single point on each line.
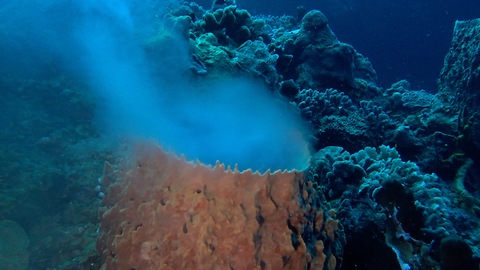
[163, 212]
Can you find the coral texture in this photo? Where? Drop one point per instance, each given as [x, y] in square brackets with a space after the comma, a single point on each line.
[167, 213]
[392, 203]
[461, 70]
[313, 56]
[459, 83]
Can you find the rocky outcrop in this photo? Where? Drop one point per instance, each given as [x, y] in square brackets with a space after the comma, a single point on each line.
[313, 56]
[459, 83]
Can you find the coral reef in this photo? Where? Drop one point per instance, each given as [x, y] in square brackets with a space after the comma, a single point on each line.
[295, 58]
[338, 121]
[392, 202]
[459, 84]
[228, 40]
[461, 65]
[254, 58]
[314, 57]
[411, 154]
[394, 181]
[163, 212]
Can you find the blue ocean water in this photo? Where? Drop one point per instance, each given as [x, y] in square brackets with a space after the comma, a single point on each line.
[79, 79]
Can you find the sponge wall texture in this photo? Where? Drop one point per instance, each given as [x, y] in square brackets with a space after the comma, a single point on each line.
[163, 212]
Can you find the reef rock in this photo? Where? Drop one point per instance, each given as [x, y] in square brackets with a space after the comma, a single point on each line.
[313, 56]
[459, 80]
[163, 212]
[459, 83]
[253, 57]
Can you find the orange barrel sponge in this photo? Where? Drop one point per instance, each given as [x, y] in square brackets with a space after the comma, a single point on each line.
[163, 212]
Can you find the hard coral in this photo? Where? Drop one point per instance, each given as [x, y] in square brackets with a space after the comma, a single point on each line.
[167, 213]
[315, 58]
[229, 24]
[314, 21]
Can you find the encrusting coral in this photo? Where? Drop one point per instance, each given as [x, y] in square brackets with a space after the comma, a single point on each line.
[163, 212]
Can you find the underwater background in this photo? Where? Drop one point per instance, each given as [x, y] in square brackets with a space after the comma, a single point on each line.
[374, 100]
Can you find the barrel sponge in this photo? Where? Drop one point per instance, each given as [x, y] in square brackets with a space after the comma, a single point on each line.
[163, 212]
